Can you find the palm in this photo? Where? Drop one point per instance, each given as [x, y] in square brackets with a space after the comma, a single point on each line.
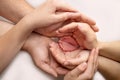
[73, 58]
[37, 46]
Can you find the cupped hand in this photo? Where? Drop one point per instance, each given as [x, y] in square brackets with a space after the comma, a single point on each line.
[84, 71]
[46, 14]
[68, 59]
[83, 34]
[38, 47]
[52, 30]
[52, 15]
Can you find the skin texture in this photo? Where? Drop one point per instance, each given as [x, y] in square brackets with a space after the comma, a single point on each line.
[68, 59]
[86, 38]
[14, 10]
[110, 50]
[22, 30]
[18, 34]
[53, 32]
[83, 71]
[39, 52]
[20, 12]
[83, 34]
[20, 8]
[109, 68]
[103, 66]
[42, 59]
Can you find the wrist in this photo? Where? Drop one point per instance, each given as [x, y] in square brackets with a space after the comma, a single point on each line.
[28, 23]
[101, 46]
[28, 45]
[22, 30]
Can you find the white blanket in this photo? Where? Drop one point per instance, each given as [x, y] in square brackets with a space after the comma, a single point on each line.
[105, 12]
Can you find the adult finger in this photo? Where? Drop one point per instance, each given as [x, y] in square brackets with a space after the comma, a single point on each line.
[82, 57]
[80, 17]
[69, 15]
[57, 53]
[47, 68]
[72, 75]
[64, 6]
[58, 34]
[42, 61]
[96, 59]
[69, 27]
[89, 73]
[62, 71]
[91, 61]
[61, 17]
[57, 67]
[75, 25]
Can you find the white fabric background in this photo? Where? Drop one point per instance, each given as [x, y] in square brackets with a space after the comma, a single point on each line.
[105, 12]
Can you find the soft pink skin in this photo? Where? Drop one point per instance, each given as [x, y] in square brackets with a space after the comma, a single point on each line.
[68, 44]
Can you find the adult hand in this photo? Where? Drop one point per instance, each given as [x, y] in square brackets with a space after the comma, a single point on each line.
[38, 47]
[51, 31]
[45, 15]
[83, 34]
[68, 59]
[84, 71]
[53, 13]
